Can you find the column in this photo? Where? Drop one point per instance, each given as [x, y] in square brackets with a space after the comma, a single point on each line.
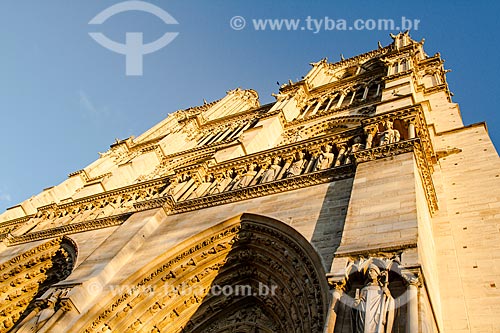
[411, 128]
[312, 161]
[365, 93]
[320, 102]
[352, 97]
[412, 307]
[370, 132]
[332, 314]
[305, 111]
[329, 103]
[341, 99]
[288, 162]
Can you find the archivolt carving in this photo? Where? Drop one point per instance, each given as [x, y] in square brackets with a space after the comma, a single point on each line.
[285, 286]
[28, 275]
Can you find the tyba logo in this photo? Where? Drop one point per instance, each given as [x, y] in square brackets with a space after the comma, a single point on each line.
[134, 49]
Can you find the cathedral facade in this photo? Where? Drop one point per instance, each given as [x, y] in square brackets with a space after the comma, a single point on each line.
[356, 202]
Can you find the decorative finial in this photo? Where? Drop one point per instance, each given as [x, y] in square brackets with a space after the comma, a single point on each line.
[379, 45]
[342, 57]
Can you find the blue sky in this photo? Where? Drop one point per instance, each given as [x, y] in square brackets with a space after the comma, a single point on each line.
[64, 98]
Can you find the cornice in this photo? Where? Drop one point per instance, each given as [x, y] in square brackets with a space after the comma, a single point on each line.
[172, 207]
[107, 194]
[384, 151]
[439, 87]
[347, 82]
[15, 221]
[396, 76]
[359, 58]
[376, 251]
[251, 113]
[209, 148]
[67, 229]
[364, 105]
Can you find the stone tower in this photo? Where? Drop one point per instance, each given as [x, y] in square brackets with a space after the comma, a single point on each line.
[356, 202]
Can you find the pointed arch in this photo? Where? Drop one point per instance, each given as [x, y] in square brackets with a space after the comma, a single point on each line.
[247, 267]
[27, 276]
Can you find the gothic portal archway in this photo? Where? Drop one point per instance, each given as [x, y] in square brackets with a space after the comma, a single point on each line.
[29, 275]
[248, 274]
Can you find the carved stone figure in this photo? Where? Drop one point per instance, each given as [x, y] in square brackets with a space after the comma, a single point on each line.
[205, 187]
[247, 177]
[325, 159]
[37, 319]
[371, 132]
[342, 148]
[272, 172]
[356, 146]
[231, 179]
[373, 310]
[390, 135]
[297, 166]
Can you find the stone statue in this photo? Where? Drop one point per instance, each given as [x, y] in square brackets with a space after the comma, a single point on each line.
[246, 179]
[205, 187]
[39, 316]
[272, 172]
[297, 166]
[371, 132]
[356, 146]
[341, 157]
[231, 179]
[325, 159]
[373, 308]
[390, 135]
[219, 185]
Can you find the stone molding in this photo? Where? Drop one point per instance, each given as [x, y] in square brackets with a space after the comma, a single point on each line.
[105, 222]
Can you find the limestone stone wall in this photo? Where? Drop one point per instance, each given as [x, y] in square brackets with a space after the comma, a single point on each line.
[467, 231]
[382, 211]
